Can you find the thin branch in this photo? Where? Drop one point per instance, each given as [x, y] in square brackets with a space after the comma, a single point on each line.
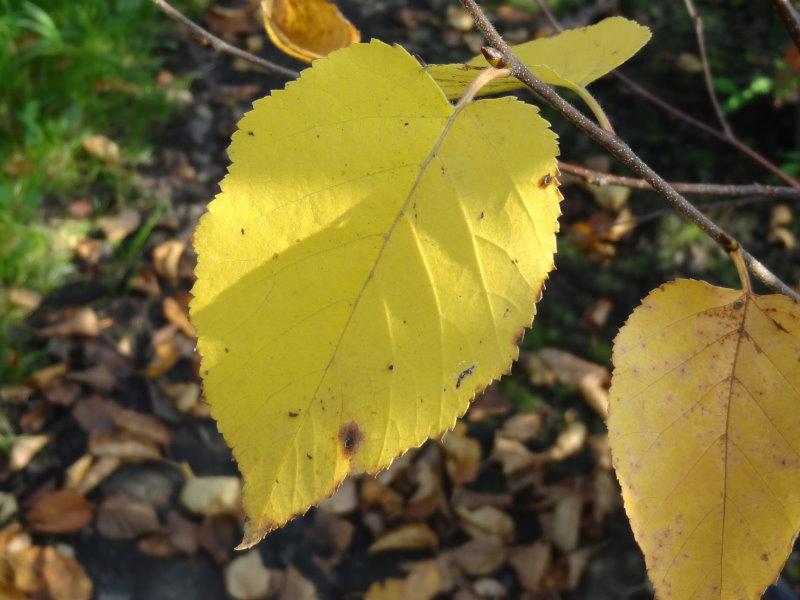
[620, 150]
[790, 18]
[702, 189]
[706, 128]
[701, 45]
[549, 15]
[676, 112]
[220, 45]
[637, 220]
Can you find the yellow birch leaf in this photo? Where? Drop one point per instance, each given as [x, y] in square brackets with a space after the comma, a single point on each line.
[307, 29]
[370, 264]
[571, 59]
[705, 436]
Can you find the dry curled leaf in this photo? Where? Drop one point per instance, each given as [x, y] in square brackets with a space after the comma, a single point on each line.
[307, 29]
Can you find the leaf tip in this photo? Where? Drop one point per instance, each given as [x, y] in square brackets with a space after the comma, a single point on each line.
[254, 533]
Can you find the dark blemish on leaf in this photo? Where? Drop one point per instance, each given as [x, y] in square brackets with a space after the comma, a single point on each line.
[545, 181]
[738, 304]
[274, 256]
[308, 456]
[519, 336]
[464, 374]
[391, 367]
[226, 350]
[250, 133]
[405, 124]
[242, 230]
[293, 414]
[482, 215]
[350, 437]
[779, 326]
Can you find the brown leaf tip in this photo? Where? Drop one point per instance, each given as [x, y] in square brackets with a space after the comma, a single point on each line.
[254, 533]
[351, 438]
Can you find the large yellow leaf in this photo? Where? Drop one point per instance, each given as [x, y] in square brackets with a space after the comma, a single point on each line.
[571, 59]
[307, 29]
[369, 266]
[705, 433]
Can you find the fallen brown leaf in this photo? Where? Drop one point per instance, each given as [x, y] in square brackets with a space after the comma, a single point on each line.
[123, 447]
[101, 147]
[480, 557]
[122, 517]
[530, 563]
[62, 511]
[64, 577]
[117, 227]
[487, 522]
[463, 455]
[74, 322]
[246, 577]
[176, 314]
[25, 299]
[344, 501]
[24, 449]
[297, 587]
[167, 257]
[212, 496]
[413, 536]
[142, 426]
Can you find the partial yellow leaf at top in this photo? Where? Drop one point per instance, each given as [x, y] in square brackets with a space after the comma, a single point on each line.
[307, 29]
[704, 429]
[369, 266]
[571, 59]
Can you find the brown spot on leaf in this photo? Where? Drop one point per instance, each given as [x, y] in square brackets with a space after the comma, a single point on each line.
[518, 337]
[545, 181]
[242, 230]
[293, 414]
[350, 437]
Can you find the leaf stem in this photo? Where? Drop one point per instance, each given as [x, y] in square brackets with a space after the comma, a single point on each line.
[594, 106]
[481, 80]
[741, 267]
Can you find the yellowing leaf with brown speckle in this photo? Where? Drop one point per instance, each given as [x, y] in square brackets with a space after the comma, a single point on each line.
[371, 264]
[704, 429]
[307, 29]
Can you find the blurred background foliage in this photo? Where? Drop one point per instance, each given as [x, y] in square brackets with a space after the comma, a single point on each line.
[71, 73]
